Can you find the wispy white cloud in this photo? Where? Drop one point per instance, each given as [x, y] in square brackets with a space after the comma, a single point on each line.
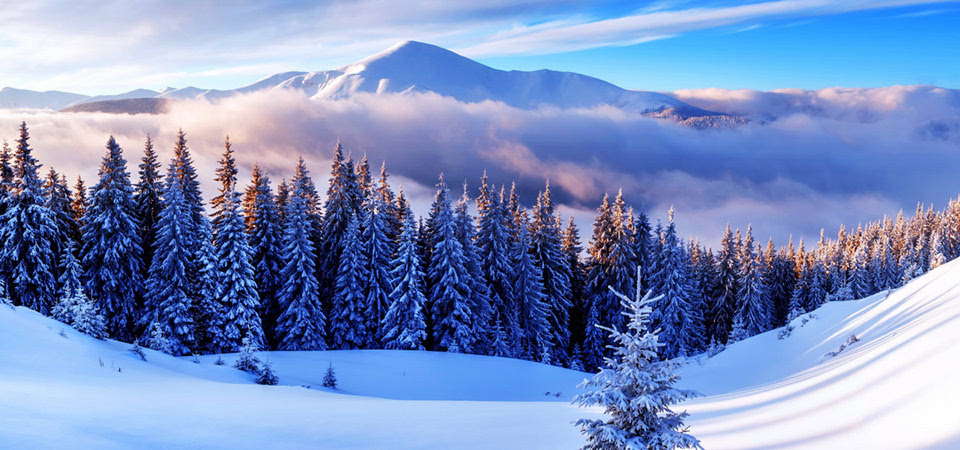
[94, 46]
[633, 28]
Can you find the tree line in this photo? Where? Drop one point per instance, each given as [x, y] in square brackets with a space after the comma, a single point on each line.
[287, 269]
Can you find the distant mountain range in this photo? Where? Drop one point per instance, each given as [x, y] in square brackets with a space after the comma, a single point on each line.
[404, 68]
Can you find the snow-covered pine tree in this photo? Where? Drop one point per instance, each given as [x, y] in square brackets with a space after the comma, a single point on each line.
[236, 289]
[168, 312]
[27, 235]
[79, 202]
[818, 285]
[636, 389]
[707, 281]
[147, 197]
[301, 322]
[392, 214]
[493, 252]
[449, 297]
[74, 307]
[725, 303]
[861, 284]
[266, 241]
[571, 248]
[528, 295]
[283, 198]
[404, 327]
[674, 314]
[58, 198]
[111, 246]
[186, 176]
[479, 308]
[754, 313]
[642, 242]
[247, 360]
[330, 378]
[592, 341]
[611, 259]
[338, 208]
[267, 377]
[364, 180]
[206, 309]
[348, 326]
[6, 176]
[377, 250]
[548, 256]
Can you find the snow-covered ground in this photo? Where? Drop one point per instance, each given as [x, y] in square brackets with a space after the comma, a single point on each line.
[894, 388]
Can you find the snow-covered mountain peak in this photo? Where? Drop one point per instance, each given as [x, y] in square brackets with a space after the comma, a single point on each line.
[411, 67]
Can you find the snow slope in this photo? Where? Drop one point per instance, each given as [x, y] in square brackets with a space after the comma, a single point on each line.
[53, 390]
[894, 388]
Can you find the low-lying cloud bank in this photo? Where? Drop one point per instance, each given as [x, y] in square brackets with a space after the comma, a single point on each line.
[832, 156]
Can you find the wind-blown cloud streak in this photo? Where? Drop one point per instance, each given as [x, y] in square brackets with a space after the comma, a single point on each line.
[98, 47]
[831, 157]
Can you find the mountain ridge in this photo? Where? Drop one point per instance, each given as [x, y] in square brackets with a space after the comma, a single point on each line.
[415, 67]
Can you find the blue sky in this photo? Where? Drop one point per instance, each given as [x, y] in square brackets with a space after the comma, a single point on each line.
[896, 46]
[91, 47]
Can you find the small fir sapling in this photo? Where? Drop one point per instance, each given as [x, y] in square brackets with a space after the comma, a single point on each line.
[330, 378]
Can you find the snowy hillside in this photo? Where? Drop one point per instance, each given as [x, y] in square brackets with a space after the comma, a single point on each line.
[892, 387]
[417, 67]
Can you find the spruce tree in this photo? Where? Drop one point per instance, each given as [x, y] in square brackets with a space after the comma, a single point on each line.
[147, 195]
[449, 297]
[528, 296]
[593, 340]
[79, 202]
[377, 250]
[674, 314]
[301, 322]
[404, 327]
[549, 257]
[754, 314]
[266, 242]
[479, 308]
[236, 289]
[206, 309]
[393, 216]
[493, 253]
[58, 199]
[636, 389]
[169, 321]
[611, 259]
[111, 245]
[348, 326]
[571, 252]
[338, 208]
[27, 235]
[725, 303]
[74, 307]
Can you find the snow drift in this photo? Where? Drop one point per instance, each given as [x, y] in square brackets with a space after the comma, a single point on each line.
[812, 387]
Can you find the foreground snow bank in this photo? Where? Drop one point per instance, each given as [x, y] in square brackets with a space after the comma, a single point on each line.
[54, 391]
[873, 373]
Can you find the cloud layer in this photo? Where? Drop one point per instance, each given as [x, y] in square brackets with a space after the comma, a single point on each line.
[831, 157]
